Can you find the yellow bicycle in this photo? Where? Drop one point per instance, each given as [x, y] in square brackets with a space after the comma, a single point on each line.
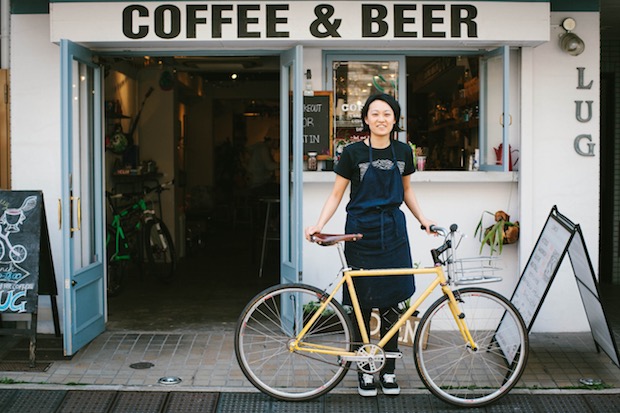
[294, 342]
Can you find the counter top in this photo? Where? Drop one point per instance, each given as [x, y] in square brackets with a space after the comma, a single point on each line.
[431, 176]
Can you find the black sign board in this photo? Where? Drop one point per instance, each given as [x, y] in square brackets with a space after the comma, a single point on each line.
[560, 236]
[26, 268]
[318, 124]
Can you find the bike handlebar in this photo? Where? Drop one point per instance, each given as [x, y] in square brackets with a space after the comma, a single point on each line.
[146, 190]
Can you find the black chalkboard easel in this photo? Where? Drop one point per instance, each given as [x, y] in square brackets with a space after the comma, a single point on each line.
[559, 237]
[26, 268]
[318, 124]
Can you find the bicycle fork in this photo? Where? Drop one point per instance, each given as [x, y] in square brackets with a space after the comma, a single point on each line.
[459, 317]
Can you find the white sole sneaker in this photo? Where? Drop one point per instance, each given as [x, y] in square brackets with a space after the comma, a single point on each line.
[370, 390]
[392, 388]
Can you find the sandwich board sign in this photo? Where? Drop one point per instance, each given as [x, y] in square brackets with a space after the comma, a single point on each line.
[26, 269]
[561, 237]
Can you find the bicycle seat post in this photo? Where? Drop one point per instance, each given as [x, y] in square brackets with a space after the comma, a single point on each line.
[343, 259]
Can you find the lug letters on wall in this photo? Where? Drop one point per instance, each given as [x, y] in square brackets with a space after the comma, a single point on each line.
[587, 148]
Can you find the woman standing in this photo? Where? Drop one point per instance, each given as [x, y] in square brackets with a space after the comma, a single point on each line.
[378, 170]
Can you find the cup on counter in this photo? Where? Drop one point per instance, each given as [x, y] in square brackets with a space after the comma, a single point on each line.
[421, 163]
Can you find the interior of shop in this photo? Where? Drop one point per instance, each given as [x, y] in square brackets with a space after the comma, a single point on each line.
[199, 124]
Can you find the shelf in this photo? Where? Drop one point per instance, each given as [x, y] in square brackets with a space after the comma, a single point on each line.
[326, 177]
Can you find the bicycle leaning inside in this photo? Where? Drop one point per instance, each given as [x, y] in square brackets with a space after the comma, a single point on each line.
[134, 235]
[295, 341]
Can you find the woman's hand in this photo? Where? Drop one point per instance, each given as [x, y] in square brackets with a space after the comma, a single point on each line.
[311, 230]
[427, 226]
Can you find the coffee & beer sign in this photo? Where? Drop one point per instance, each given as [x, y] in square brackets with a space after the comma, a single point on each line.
[286, 21]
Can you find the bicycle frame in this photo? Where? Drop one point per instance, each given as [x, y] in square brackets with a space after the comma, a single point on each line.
[139, 206]
[347, 277]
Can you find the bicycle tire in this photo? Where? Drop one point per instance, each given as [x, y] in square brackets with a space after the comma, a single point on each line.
[116, 269]
[116, 276]
[266, 327]
[159, 250]
[447, 365]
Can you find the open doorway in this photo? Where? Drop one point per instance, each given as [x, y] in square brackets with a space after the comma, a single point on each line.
[201, 122]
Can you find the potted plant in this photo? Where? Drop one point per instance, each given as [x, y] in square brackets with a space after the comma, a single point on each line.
[501, 232]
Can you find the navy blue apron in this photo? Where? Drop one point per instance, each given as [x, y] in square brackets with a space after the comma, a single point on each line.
[374, 212]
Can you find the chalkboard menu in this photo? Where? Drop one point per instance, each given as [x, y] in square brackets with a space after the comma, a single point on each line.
[560, 236]
[318, 124]
[24, 245]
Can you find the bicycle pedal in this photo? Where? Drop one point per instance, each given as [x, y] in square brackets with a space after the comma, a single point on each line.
[394, 355]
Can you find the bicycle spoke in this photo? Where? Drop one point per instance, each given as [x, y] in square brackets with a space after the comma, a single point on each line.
[461, 375]
[268, 326]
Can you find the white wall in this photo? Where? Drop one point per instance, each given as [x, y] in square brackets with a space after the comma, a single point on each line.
[558, 175]
[35, 130]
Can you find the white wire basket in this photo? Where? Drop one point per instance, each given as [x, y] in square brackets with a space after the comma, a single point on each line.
[476, 270]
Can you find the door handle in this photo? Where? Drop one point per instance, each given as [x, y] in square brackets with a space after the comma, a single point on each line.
[59, 213]
[73, 283]
[79, 214]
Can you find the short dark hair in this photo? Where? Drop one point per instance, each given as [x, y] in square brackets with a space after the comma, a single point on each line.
[389, 99]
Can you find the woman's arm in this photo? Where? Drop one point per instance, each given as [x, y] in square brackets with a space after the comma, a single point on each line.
[412, 203]
[330, 206]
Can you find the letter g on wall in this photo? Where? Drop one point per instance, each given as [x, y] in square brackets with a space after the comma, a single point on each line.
[589, 144]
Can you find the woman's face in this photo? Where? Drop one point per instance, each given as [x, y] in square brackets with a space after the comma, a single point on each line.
[380, 118]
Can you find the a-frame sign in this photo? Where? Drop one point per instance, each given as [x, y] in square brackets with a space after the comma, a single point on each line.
[559, 237]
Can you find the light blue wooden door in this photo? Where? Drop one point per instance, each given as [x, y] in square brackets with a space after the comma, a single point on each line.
[81, 203]
[291, 162]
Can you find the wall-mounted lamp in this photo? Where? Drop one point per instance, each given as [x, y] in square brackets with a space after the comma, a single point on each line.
[569, 41]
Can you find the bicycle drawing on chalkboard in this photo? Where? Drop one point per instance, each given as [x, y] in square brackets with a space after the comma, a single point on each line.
[10, 222]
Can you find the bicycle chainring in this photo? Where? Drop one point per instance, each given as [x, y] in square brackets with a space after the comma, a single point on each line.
[374, 358]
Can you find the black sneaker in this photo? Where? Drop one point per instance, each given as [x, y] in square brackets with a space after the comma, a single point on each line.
[389, 385]
[366, 385]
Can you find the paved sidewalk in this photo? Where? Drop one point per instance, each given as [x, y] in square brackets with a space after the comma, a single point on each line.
[205, 360]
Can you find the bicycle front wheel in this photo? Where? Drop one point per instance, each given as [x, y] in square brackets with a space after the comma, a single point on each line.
[455, 372]
[270, 323]
[159, 249]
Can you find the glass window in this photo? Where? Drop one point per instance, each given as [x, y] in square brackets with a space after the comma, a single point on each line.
[444, 110]
[453, 105]
[353, 82]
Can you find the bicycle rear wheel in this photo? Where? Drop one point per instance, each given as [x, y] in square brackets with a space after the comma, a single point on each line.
[116, 275]
[267, 326]
[454, 372]
[159, 249]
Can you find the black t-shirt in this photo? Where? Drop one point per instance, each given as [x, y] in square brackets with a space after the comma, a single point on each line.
[354, 161]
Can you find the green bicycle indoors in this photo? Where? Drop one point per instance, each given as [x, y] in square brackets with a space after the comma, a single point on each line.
[136, 235]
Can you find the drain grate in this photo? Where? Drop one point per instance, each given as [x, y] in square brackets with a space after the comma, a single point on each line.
[410, 403]
[603, 403]
[341, 403]
[23, 366]
[79, 401]
[6, 395]
[187, 402]
[142, 365]
[313, 406]
[243, 402]
[35, 401]
[144, 402]
[566, 403]
[513, 403]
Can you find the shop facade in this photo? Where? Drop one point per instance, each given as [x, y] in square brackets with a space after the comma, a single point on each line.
[468, 76]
